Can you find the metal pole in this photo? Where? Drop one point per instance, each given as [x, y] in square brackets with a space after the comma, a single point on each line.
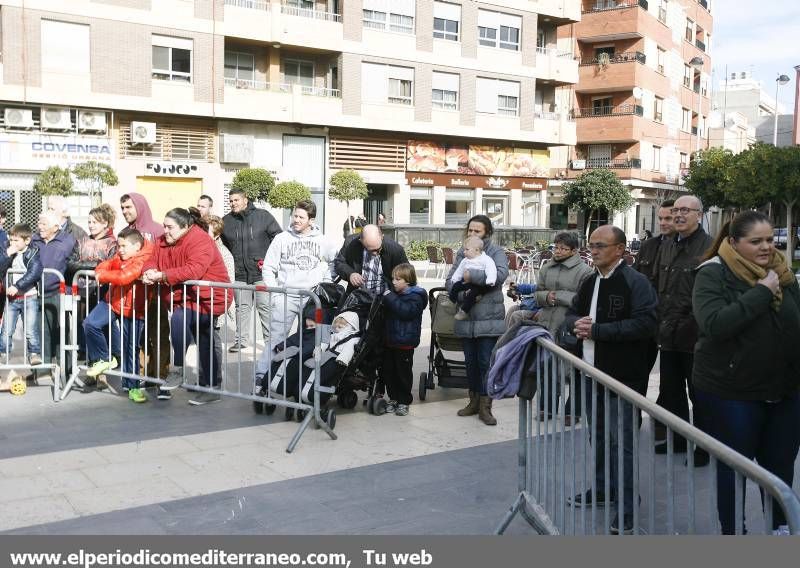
[775, 123]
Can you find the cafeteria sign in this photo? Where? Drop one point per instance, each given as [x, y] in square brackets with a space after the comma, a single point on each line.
[486, 182]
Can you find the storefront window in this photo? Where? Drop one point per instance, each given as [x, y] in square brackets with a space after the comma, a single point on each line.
[530, 208]
[495, 208]
[420, 206]
[458, 206]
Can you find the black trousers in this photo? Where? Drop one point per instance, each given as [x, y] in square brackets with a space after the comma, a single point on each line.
[676, 380]
[397, 373]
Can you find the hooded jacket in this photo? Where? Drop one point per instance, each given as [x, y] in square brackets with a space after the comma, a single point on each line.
[126, 296]
[33, 266]
[564, 278]
[248, 235]
[299, 261]
[342, 344]
[194, 256]
[144, 223]
[404, 317]
[54, 255]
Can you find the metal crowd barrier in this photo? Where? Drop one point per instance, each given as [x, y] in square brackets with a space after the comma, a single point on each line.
[557, 462]
[19, 360]
[230, 374]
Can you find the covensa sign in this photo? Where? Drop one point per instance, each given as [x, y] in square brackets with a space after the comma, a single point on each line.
[486, 182]
[38, 151]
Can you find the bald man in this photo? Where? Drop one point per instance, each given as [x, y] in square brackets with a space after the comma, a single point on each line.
[367, 260]
[677, 329]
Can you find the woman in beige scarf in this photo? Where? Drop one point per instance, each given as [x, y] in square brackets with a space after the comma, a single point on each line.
[746, 365]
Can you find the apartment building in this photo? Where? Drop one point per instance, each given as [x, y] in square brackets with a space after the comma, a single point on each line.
[642, 100]
[446, 108]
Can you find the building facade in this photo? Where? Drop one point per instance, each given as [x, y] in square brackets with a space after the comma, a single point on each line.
[447, 109]
[642, 100]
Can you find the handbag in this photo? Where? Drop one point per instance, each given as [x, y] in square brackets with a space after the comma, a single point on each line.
[567, 340]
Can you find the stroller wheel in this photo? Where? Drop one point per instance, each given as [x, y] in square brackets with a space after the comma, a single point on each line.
[379, 406]
[269, 409]
[300, 415]
[289, 413]
[258, 407]
[331, 418]
[347, 399]
[423, 385]
[371, 404]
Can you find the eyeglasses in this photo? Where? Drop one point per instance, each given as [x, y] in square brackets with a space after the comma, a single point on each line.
[601, 246]
[682, 210]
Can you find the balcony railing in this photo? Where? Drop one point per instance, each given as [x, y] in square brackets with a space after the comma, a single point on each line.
[629, 4]
[257, 85]
[625, 57]
[322, 92]
[310, 13]
[608, 163]
[700, 44]
[545, 50]
[252, 4]
[621, 110]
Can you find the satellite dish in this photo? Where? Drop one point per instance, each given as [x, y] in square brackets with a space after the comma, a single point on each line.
[637, 93]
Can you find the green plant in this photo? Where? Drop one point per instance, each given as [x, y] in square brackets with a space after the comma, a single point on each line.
[287, 193]
[543, 244]
[54, 181]
[257, 183]
[95, 176]
[418, 250]
[597, 189]
[348, 185]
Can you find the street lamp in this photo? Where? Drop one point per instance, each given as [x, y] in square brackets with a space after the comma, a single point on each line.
[781, 80]
[697, 63]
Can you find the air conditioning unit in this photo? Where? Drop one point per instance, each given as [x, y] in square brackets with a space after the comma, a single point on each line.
[53, 118]
[18, 118]
[92, 120]
[578, 164]
[143, 132]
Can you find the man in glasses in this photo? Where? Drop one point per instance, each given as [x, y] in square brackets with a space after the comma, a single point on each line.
[677, 330]
[368, 259]
[614, 317]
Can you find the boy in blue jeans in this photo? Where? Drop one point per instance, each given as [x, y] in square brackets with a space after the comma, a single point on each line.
[404, 307]
[23, 297]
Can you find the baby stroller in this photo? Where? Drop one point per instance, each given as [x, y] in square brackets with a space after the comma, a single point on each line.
[450, 373]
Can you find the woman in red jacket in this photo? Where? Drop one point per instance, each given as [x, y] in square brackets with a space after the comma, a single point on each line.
[186, 252]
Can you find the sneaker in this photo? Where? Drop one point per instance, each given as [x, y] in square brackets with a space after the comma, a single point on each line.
[202, 398]
[391, 407]
[174, 378]
[782, 530]
[137, 395]
[402, 410]
[461, 315]
[236, 347]
[587, 499]
[164, 395]
[36, 359]
[627, 524]
[100, 367]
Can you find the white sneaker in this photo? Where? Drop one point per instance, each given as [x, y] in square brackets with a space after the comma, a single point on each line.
[782, 530]
[461, 315]
[174, 378]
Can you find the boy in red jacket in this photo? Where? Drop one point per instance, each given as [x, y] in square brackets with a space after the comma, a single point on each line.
[126, 301]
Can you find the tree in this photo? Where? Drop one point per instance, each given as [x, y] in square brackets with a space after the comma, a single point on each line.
[286, 194]
[96, 176]
[257, 183]
[710, 178]
[597, 189]
[348, 185]
[764, 174]
[54, 181]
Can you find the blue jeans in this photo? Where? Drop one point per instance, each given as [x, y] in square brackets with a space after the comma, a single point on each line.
[768, 432]
[477, 352]
[30, 322]
[190, 319]
[615, 444]
[100, 319]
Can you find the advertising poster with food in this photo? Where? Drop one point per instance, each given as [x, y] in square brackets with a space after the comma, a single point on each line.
[426, 156]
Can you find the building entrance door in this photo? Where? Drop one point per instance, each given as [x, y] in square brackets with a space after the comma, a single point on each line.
[376, 202]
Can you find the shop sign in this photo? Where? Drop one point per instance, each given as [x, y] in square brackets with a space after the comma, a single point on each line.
[486, 182]
[170, 169]
[38, 151]
[461, 159]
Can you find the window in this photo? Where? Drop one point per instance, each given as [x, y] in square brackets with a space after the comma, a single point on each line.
[602, 106]
[65, 47]
[686, 120]
[662, 54]
[446, 20]
[658, 110]
[662, 11]
[394, 16]
[382, 84]
[239, 66]
[172, 58]
[298, 72]
[420, 206]
[494, 26]
[531, 201]
[689, 30]
[687, 76]
[608, 49]
[656, 158]
[445, 90]
[458, 206]
[495, 96]
[684, 160]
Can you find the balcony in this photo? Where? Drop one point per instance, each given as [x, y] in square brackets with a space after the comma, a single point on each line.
[263, 5]
[555, 65]
[604, 111]
[629, 4]
[608, 163]
[310, 13]
[625, 57]
[700, 45]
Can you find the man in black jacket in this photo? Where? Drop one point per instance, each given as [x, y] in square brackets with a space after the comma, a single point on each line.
[613, 314]
[367, 260]
[648, 253]
[248, 232]
[677, 329]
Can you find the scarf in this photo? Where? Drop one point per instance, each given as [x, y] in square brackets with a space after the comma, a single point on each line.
[752, 273]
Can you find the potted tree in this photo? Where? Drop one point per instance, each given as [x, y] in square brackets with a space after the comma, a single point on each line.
[347, 186]
[95, 176]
